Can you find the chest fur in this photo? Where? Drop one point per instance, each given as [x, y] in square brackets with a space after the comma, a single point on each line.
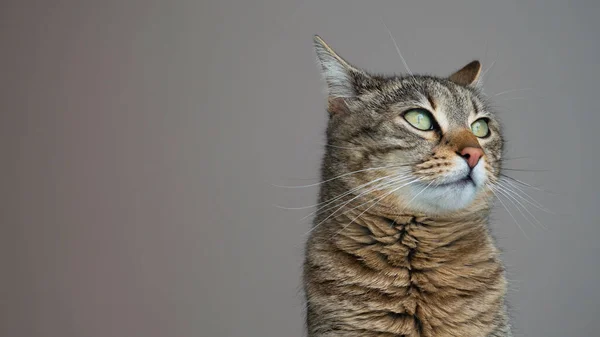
[409, 277]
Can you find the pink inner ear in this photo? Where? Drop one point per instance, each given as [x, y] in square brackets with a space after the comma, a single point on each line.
[337, 105]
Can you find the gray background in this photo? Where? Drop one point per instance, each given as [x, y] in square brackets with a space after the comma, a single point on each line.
[140, 141]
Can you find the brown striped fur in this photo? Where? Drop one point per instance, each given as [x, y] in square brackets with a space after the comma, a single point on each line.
[418, 261]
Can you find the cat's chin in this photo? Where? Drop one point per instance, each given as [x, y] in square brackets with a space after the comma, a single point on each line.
[443, 198]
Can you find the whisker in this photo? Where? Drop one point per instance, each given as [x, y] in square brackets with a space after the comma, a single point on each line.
[482, 77]
[506, 208]
[484, 56]
[416, 195]
[514, 158]
[524, 183]
[341, 176]
[336, 197]
[390, 184]
[397, 48]
[344, 147]
[512, 200]
[376, 187]
[512, 99]
[341, 207]
[524, 170]
[337, 210]
[413, 198]
[516, 188]
[533, 202]
[375, 203]
[507, 190]
[512, 90]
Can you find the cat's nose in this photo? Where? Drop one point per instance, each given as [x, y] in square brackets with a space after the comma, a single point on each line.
[471, 155]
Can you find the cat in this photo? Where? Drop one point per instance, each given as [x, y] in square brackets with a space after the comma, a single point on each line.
[400, 244]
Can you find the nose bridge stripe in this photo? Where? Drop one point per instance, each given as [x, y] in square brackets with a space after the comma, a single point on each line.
[462, 139]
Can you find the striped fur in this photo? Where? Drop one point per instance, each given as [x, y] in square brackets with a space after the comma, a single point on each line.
[398, 248]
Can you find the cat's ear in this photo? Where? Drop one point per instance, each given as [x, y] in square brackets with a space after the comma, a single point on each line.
[335, 70]
[468, 74]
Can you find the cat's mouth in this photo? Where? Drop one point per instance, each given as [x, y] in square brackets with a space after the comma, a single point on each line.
[462, 182]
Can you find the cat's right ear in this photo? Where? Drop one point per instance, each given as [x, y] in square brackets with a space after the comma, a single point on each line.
[339, 75]
[467, 75]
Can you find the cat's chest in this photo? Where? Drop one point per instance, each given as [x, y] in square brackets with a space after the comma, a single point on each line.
[418, 280]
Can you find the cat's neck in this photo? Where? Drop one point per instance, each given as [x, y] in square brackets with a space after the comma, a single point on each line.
[465, 231]
[386, 223]
[435, 240]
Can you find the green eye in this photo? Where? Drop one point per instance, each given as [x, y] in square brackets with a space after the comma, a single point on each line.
[420, 119]
[480, 128]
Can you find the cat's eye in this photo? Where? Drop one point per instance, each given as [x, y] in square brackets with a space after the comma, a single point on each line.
[420, 119]
[480, 128]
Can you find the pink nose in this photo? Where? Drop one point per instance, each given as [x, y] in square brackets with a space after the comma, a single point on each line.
[471, 155]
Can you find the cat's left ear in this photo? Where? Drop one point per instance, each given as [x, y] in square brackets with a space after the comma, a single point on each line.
[467, 75]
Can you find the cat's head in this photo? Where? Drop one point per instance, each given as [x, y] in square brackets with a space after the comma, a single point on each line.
[425, 143]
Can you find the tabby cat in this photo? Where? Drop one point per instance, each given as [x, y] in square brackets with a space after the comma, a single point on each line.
[400, 245]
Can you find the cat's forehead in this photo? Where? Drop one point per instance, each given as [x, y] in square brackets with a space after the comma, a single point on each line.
[455, 102]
